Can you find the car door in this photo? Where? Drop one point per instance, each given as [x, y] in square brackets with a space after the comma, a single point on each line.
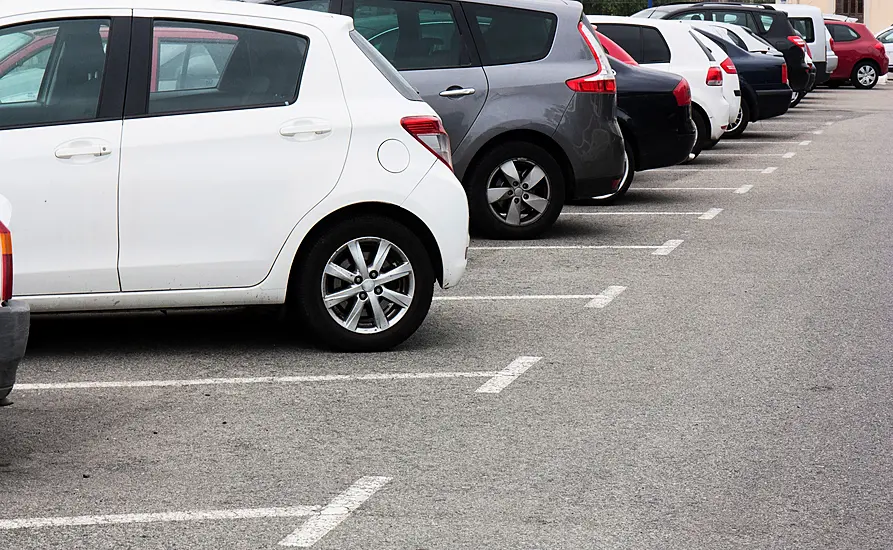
[430, 44]
[233, 134]
[845, 45]
[60, 146]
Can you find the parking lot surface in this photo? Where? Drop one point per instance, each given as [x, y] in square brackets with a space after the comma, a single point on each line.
[703, 365]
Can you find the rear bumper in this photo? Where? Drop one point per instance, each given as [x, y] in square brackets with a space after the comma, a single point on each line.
[591, 139]
[15, 324]
[822, 73]
[665, 148]
[773, 103]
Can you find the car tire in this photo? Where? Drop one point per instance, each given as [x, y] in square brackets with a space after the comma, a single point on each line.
[865, 75]
[702, 130]
[327, 265]
[627, 180]
[515, 214]
[795, 100]
[740, 123]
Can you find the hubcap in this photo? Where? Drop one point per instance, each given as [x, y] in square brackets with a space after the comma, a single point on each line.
[866, 75]
[518, 192]
[368, 285]
[737, 120]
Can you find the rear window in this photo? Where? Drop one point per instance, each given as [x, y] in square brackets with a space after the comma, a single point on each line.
[386, 69]
[804, 26]
[312, 5]
[511, 35]
[627, 37]
[654, 47]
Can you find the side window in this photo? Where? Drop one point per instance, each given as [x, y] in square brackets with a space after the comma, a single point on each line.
[412, 35]
[51, 72]
[846, 34]
[691, 16]
[804, 26]
[204, 67]
[764, 22]
[736, 40]
[887, 37]
[731, 17]
[654, 47]
[628, 37]
[512, 35]
[324, 6]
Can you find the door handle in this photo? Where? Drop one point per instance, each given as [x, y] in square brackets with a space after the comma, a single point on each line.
[455, 91]
[66, 152]
[306, 129]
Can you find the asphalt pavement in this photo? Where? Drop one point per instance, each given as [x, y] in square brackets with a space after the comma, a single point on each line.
[706, 365]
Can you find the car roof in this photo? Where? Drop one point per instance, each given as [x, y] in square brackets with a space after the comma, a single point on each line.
[713, 5]
[800, 9]
[318, 19]
[668, 24]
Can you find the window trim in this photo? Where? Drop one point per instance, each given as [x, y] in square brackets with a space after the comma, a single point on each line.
[478, 37]
[110, 104]
[141, 51]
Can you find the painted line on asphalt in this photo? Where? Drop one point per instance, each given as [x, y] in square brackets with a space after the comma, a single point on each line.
[667, 247]
[335, 512]
[818, 132]
[164, 517]
[683, 188]
[710, 214]
[255, 379]
[508, 375]
[606, 296]
[514, 298]
[794, 132]
[829, 123]
[788, 155]
[712, 154]
[743, 189]
[769, 170]
[802, 143]
[676, 169]
[566, 247]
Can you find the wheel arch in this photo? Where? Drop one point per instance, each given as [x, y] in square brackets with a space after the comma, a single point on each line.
[401, 215]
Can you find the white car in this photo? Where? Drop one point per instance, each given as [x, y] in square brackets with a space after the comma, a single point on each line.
[289, 163]
[672, 47]
[731, 84]
[885, 37]
[809, 22]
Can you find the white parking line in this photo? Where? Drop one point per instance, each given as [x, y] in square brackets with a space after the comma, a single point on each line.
[667, 247]
[818, 132]
[712, 154]
[743, 189]
[677, 169]
[683, 188]
[513, 298]
[792, 131]
[255, 379]
[788, 155]
[606, 296]
[769, 142]
[769, 170]
[710, 214]
[338, 510]
[506, 376]
[566, 247]
[634, 213]
[117, 519]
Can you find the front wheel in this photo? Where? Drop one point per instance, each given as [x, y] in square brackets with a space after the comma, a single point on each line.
[629, 172]
[740, 124]
[365, 285]
[865, 75]
[515, 191]
[797, 97]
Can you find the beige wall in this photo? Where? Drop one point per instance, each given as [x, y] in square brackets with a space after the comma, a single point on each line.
[878, 13]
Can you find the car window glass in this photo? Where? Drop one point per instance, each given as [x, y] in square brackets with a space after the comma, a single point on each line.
[887, 37]
[765, 23]
[512, 35]
[412, 35]
[731, 17]
[203, 66]
[628, 37]
[654, 47]
[312, 5]
[845, 34]
[735, 39]
[804, 26]
[691, 16]
[32, 95]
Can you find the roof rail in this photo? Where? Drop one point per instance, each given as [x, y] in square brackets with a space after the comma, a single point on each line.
[721, 3]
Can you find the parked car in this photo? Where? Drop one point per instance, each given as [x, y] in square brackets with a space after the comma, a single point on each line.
[765, 92]
[810, 25]
[15, 318]
[305, 171]
[654, 112]
[885, 37]
[731, 85]
[771, 24]
[671, 47]
[524, 90]
[862, 57]
[615, 52]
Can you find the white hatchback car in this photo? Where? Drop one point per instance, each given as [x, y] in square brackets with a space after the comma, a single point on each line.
[163, 155]
[671, 46]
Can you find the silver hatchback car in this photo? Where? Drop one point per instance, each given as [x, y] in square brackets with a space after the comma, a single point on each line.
[524, 89]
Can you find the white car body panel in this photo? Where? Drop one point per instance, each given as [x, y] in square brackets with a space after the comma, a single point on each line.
[731, 84]
[801, 11]
[886, 38]
[688, 60]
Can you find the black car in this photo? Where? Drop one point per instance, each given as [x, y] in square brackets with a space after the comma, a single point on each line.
[654, 112]
[770, 24]
[765, 92]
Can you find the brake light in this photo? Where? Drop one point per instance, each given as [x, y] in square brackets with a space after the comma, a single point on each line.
[798, 41]
[714, 76]
[5, 264]
[808, 50]
[729, 66]
[879, 47]
[587, 38]
[429, 131]
[682, 92]
[599, 82]
[832, 44]
[784, 73]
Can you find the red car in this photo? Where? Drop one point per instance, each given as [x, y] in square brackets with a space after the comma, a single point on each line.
[862, 58]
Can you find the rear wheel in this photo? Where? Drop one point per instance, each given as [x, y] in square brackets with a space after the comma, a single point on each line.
[516, 191]
[629, 172]
[366, 285]
[797, 97]
[865, 75]
[740, 124]
[702, 132]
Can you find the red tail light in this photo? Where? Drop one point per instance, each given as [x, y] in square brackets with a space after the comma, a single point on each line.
[5, 264]
[880, 47]
[429, 131]
[808, 50]
[798, 41]
[599, 82]
[784, 73]
[832, 44]
[714, 76]
[729, 66]
[682, 92]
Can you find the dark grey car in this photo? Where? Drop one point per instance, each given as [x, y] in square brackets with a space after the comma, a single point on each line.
[526, 96]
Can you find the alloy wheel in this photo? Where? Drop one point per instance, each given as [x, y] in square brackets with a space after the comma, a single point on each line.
[518, 192]
[866, 75]
[738, 119]
[368, 285]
